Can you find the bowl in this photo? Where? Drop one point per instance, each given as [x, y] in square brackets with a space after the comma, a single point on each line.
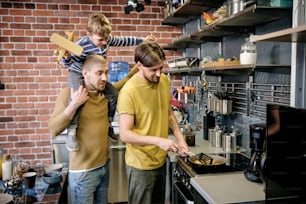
[53, 167]
[52, 177]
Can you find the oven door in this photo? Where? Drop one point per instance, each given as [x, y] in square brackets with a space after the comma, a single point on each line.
[181, 194]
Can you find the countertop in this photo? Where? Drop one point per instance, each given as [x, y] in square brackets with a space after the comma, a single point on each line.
[228, 188]
[222, 187]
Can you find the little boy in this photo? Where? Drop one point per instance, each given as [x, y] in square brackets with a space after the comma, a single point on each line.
[97, 41]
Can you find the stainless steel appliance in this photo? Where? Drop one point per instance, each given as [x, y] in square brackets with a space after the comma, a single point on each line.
[117, 190]
[257, 138]
[182, 171]
[118, 179]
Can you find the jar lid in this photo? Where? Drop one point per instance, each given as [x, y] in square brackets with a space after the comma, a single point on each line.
[6, 157]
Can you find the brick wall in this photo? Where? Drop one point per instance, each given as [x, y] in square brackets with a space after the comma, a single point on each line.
[28, 66]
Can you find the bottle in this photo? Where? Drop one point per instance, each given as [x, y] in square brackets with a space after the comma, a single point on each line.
[117, 70]
[7, 167]
[1, 156]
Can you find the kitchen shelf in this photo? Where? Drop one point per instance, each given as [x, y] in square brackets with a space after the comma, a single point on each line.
[296, 34]
[190, 10]
[279, 68]
[241, 22]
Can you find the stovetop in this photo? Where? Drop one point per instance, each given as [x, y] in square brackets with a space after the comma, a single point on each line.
[234, 162]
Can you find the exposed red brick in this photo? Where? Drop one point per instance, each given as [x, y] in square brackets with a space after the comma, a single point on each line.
[28, 65]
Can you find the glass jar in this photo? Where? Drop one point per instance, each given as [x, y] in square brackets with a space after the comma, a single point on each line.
[20, 167]
[248, 53]
[7, 167]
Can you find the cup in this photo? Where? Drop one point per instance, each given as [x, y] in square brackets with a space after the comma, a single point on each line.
[29, 179]
[190, 139]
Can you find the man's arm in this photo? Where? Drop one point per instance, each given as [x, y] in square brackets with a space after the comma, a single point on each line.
[174, 127]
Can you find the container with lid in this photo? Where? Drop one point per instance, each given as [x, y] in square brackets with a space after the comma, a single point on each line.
[7, 167]
[248, 53]
[117, 70]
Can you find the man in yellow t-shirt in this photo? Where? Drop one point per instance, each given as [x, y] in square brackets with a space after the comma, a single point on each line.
[145, 116]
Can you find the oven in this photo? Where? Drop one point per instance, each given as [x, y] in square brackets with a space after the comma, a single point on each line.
[182, 192]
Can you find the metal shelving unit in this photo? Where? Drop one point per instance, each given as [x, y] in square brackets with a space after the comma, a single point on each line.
[241, 22]
[190, 10]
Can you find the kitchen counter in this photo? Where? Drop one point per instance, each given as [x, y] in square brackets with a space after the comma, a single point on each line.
[228, 188]
[220, 188]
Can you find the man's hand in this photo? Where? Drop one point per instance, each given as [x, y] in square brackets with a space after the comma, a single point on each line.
[168, 145]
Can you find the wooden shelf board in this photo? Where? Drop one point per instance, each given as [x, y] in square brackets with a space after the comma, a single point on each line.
[295, 34]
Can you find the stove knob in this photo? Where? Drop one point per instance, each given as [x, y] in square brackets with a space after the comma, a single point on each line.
[188, 186]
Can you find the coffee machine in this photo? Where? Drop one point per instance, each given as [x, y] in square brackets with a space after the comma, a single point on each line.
[257, 140]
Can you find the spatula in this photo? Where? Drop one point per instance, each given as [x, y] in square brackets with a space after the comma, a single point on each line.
[204, 158]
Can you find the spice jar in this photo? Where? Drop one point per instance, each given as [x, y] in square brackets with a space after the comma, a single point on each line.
[7, 167]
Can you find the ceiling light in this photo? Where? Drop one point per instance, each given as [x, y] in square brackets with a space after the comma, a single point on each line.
[131, 4]
[139, 7]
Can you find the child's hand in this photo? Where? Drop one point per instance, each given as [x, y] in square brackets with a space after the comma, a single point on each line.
[150, 37]
[67, 55]
[79, 96]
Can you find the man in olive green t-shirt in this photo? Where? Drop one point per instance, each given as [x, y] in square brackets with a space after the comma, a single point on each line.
[145, 116]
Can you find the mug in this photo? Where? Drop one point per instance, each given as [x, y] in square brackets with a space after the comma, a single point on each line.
[190, 139]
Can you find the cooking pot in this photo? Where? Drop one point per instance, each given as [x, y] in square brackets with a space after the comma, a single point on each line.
[208, 162]
[234, 6]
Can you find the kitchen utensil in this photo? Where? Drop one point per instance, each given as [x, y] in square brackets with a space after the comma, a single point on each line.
[191, 154]
[29, 179]
[54, 167]
[52, 177]
[207, 162]
[234, 6]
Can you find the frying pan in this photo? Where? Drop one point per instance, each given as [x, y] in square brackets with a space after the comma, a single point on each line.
[206, 161]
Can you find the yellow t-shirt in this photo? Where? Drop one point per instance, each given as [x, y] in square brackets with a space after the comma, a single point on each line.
[149, 103]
